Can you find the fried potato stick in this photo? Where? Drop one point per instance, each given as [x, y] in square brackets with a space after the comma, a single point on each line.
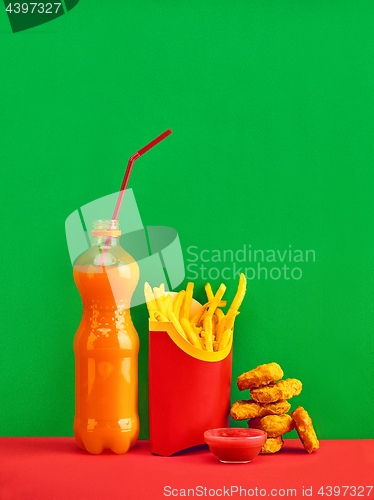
[177, 325]
[160, 300]
[191, 335]
[232, 312]
[160, 317]
[225, 340]
[178, 302]
[227, 323]
[152, 316]
[197, 329]
[201, 313]
[230, 319]
[217, 299]
[220, 328]
[209, 292]
[202, 339]
[186, 307]
[220, 314]
[168, 302]
[214, 326]
[169, 308]
[208, 328]
[173, 318]
[238, 299]
[221, 318]
[198, 316]
[210, 295]
[150, 299]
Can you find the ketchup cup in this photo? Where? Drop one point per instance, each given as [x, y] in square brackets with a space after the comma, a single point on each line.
[235, 445]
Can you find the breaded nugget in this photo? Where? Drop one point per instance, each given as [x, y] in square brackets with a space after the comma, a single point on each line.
[263, 374]
[273, 425]
[243, 410]
[272, 445]
[304, 427]
[255, 423]
[284, 389]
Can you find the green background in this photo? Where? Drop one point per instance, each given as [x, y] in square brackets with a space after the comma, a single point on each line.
[271, 107]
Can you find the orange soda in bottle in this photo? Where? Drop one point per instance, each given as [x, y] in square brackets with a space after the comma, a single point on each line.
[106, 345]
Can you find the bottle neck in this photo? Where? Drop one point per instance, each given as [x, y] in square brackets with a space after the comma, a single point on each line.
[105, 241]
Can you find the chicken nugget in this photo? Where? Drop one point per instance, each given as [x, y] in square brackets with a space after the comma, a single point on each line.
[255, 423]
[273, 425]
[305, 430]
[272, 445]
[263, 374]
[284, 389]
[243, 410]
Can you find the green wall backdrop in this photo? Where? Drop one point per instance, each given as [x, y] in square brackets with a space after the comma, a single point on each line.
[272, 111]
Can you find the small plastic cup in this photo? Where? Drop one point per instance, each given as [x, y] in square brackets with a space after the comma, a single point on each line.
[235, 445]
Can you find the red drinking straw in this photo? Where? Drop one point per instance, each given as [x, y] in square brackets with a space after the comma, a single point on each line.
[126, 180]
[129, 168]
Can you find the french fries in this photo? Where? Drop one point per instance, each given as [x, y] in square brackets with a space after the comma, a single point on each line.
[225, 339]
[216, 300]
[197, 318]
[191, 335]
[210, 328]
[168, 303]
[173, 318]
[150, 299]
[238, 299]
[186, 307]
[209, 292]
[160, 317]
[159, 295]
[178, 302]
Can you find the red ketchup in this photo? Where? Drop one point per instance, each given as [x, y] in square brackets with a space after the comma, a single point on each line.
[235, 445]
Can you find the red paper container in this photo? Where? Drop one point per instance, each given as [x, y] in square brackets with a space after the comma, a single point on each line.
[189, 389]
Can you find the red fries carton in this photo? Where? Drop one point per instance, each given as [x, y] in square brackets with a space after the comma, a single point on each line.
[189, 389]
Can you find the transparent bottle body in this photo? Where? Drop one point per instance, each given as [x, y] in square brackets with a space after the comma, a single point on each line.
[106, 347]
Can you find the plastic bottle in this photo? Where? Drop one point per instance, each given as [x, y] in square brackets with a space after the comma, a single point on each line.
[106, 346]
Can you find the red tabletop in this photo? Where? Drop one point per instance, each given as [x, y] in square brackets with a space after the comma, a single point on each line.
[54, 468]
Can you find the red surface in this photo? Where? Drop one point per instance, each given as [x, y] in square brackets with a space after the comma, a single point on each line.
[187, 396]
[55, 468]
